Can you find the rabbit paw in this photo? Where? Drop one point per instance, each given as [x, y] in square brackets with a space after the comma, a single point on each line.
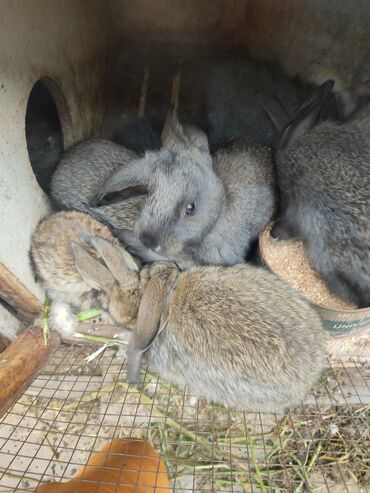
[281, 232]
[124, 335]
[62, 318]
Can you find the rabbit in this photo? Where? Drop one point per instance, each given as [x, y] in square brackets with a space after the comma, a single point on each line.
[232, 109]
[324, 180]
[199, 210]
[82, 172]
[238, 336]
[65, 265]
[84, 168]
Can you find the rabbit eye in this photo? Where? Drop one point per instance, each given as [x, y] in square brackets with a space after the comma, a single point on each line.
[190, 209]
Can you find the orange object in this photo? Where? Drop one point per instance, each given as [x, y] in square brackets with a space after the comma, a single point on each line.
[121, 466]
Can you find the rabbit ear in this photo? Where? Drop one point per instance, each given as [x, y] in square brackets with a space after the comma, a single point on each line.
[274, 109]
[119, 262]
[134, 359]
[197, 138]
[127, 193]
[325, 90]
[149, 314]
[319, 96]
[134, 175]
[173, 134]
[298, 126]
[92, 272]
[147, 326]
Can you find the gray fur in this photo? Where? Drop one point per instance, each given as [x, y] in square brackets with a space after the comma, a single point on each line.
[232, 108]
[234, 197]
[84, 168]
[324, 180]
[83, 171]
[237, 336]
[306, 116]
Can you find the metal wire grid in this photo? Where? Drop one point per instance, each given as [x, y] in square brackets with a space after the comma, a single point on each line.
[72, 408]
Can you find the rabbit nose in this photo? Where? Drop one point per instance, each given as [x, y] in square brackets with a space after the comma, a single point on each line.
[148, 240]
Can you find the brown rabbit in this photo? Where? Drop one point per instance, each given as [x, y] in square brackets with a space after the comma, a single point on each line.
[237, 335]
[70, 272]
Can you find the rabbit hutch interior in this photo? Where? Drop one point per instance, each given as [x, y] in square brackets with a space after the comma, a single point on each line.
[152, 153]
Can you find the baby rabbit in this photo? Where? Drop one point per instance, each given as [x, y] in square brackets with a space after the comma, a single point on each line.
[231, 107]
[70, 272]
[82, 172]
[199, 211]
[237, 335]
[324, 181]
[233, 110]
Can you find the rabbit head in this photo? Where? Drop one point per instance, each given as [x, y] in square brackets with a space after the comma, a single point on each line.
[185, 197]
[118, 279]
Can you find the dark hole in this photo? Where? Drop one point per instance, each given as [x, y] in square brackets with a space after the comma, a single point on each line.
[44, 134]
[114, 197]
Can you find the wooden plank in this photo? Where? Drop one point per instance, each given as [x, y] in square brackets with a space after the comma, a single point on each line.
[17, 295]
[21, 362]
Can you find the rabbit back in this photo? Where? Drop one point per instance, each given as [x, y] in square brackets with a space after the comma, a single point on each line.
[84, 169]
[240, 337]
[324, 179]
[248, 175]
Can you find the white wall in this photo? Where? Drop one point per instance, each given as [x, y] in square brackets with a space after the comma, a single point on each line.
[63, 40]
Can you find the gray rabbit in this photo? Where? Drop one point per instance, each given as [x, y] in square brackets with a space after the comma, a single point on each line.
[199, 210]
[81, 173]
[324, 181]
[237, 335]
[232, 108]
[83, 168]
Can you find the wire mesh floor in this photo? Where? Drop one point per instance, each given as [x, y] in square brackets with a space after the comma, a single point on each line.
[72, 408]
